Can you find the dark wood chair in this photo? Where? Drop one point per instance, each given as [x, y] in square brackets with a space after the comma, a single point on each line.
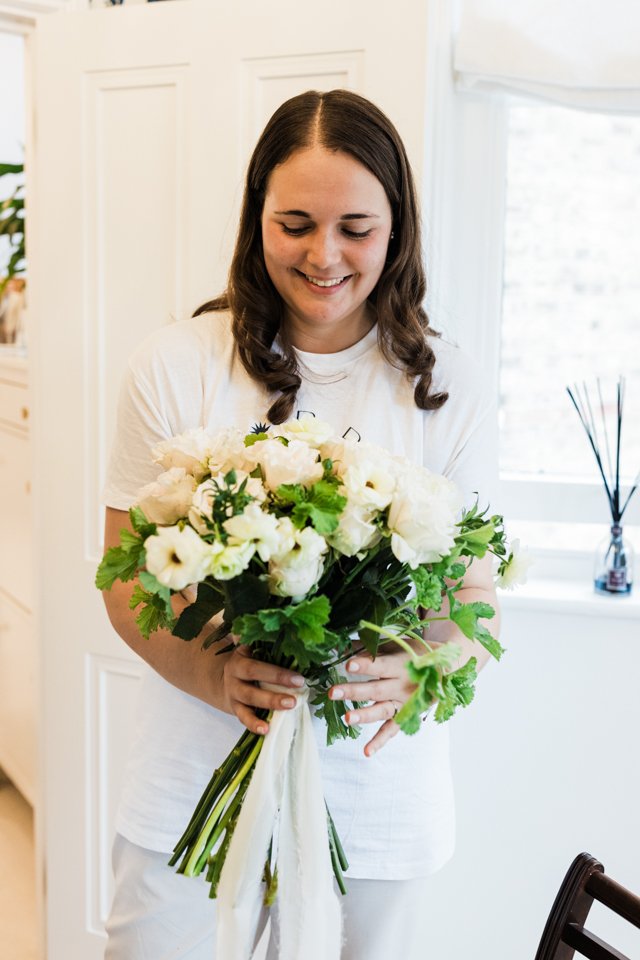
[565, 934]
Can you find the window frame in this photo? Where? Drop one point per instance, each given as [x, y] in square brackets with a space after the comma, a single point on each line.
[464, 202]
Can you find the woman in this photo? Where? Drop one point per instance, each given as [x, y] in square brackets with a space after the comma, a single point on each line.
[323, 314]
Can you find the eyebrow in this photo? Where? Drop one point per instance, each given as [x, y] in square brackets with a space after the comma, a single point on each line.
[346, 216]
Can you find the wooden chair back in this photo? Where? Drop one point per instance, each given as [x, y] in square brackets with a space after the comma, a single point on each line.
[565, 934]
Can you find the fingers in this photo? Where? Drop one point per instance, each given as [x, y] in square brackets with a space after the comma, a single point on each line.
[242, 675]
[386, 732]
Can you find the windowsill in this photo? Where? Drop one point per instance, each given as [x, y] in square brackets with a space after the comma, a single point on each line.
[569, 597]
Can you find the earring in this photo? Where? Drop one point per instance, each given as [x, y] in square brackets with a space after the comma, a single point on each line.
[392, 235]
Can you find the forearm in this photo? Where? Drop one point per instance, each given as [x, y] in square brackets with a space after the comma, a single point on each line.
[443, 631]
[182, 663]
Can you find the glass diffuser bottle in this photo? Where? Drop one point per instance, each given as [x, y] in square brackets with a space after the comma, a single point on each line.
[613, 571]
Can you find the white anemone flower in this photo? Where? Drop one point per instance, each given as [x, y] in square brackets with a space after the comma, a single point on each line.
[177, 557]
[513, 571]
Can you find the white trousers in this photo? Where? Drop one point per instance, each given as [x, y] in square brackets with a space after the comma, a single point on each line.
[158, 914]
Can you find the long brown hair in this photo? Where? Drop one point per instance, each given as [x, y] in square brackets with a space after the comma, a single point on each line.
[339, 120]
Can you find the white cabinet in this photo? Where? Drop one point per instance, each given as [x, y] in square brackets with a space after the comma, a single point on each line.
[18, 657]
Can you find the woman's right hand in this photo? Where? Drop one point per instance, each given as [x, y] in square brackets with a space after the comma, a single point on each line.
[242, 674]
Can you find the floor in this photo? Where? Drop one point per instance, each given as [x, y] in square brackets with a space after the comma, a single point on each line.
[17, 876]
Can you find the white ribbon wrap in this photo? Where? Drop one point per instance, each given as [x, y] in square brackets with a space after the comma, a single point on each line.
[286, 786]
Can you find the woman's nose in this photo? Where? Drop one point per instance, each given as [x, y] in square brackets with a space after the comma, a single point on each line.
[324, 249]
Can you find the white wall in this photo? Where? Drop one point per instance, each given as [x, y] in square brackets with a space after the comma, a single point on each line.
[545, 767]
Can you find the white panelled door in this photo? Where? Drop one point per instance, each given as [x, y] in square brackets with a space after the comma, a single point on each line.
[145, 117]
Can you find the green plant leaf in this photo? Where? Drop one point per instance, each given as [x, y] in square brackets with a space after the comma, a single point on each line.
[208, 602]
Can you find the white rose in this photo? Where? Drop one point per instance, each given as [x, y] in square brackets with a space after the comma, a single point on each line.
[261, 529]
[168, 498]
[513, 571]
[295, 463]
[229, 561]
[422, 516]
[355, 531]
[295, 573]
[350, 453]
[202, 500]
[308, 429]
[369, 483]
[177, 557]
[189, 450]
[228, 452]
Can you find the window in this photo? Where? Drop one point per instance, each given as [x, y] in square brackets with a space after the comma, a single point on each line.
[571, 293]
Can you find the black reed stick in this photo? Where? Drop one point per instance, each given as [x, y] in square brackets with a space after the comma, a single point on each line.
[582, 404]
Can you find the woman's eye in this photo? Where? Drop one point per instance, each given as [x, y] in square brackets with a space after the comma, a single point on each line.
[355, 235]
[294, 231]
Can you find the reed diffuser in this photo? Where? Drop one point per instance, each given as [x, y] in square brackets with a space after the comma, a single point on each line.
[613, 571]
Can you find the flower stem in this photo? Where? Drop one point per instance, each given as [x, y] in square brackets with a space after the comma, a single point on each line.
[192, 867]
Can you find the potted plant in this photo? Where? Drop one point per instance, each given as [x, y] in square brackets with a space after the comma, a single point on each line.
[12, 282]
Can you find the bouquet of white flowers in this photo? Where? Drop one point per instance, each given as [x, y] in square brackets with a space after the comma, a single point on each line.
[311, 548]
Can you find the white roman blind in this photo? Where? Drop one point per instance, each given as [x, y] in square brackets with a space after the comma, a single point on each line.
[580, 53]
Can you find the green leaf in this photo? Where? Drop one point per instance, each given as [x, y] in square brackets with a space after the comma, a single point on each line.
[429, 588]
[466, 615]
[117, 564]
[140, 524]
[193, 618]
[320, 504]
[244, 594]
[458, 690]
[299, 629]
[427, 672]
[153, 615]
[489, 642]
[159, 590]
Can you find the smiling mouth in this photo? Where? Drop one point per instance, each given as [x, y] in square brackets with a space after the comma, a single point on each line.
[317, 282]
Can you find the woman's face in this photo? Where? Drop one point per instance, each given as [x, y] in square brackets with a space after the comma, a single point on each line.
[326, 224]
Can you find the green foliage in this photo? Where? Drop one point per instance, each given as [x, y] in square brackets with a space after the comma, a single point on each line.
[466, 616]
[429, 588]
[156, 612]
[333, 711]
[297, 629]
[12, 224]
[208, 602]
[457, 689]
[427, 672]
[319, 504]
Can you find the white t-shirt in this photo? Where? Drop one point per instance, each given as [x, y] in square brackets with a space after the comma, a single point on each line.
[394, 812]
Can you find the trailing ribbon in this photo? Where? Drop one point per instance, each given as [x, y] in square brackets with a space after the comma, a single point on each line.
[286, 787]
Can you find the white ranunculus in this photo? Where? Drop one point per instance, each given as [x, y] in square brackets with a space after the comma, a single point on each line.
[369, 483]
[422, 516]
[308, 429]
[292, 463]
[228, 452]
[355, 531]
[231, 560]
[168, 498]
[190, 450]
[295, 573]
[261, 529]
[514, 571]
[177, 557]
[202, 500]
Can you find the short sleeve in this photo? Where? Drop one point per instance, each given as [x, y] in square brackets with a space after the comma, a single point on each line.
[140, 425]
[474, 464]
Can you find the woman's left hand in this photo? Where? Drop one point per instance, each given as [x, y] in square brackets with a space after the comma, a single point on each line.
[390, 689]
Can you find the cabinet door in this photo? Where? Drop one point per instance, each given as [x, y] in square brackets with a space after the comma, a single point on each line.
[145, 119]
[16, 560]
[18, 701]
